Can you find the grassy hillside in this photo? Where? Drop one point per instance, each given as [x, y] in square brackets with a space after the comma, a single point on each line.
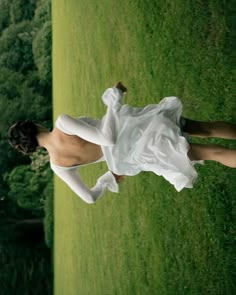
[149, 239]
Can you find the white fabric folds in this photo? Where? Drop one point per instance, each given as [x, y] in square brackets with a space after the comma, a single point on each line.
[133, 140]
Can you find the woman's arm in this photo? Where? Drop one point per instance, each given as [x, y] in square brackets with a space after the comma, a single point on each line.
[72, 179]
[82, 128]
[95, 131]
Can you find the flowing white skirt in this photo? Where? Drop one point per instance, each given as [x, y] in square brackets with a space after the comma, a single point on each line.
[150, 139]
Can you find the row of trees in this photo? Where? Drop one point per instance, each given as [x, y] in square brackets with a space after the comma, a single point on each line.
[25, 88]
[25, 183]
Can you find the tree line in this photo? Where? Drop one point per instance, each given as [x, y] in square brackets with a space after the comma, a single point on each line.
[25, 182]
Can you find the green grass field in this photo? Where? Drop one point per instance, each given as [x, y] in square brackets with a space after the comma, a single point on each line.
[148, 239]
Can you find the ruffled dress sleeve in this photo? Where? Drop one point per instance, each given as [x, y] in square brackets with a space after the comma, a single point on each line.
[89, 195]
[98, 132]
[112, 98]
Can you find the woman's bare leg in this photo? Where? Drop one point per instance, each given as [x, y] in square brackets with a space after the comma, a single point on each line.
[212, 152]
[210, 129]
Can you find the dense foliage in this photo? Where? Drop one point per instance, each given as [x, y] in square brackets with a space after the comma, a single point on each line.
[25, 183]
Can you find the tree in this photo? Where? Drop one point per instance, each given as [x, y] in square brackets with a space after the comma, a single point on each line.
[19, 102]
[42, 13]
[22, 10]
[4, 14]
[42, 52]
[10, 87]
[16, 47]
[29, 184]
[24, 258]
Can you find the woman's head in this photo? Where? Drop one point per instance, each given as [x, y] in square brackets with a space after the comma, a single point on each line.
[23, 136]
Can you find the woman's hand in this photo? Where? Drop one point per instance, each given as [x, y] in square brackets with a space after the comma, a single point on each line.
[120, 86]
[118, 178]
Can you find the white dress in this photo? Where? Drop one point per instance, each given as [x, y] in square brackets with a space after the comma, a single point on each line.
[132, 140]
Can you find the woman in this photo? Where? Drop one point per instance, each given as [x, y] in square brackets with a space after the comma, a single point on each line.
[130, 140]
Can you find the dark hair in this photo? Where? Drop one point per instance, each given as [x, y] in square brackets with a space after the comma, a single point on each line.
[22, 136]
